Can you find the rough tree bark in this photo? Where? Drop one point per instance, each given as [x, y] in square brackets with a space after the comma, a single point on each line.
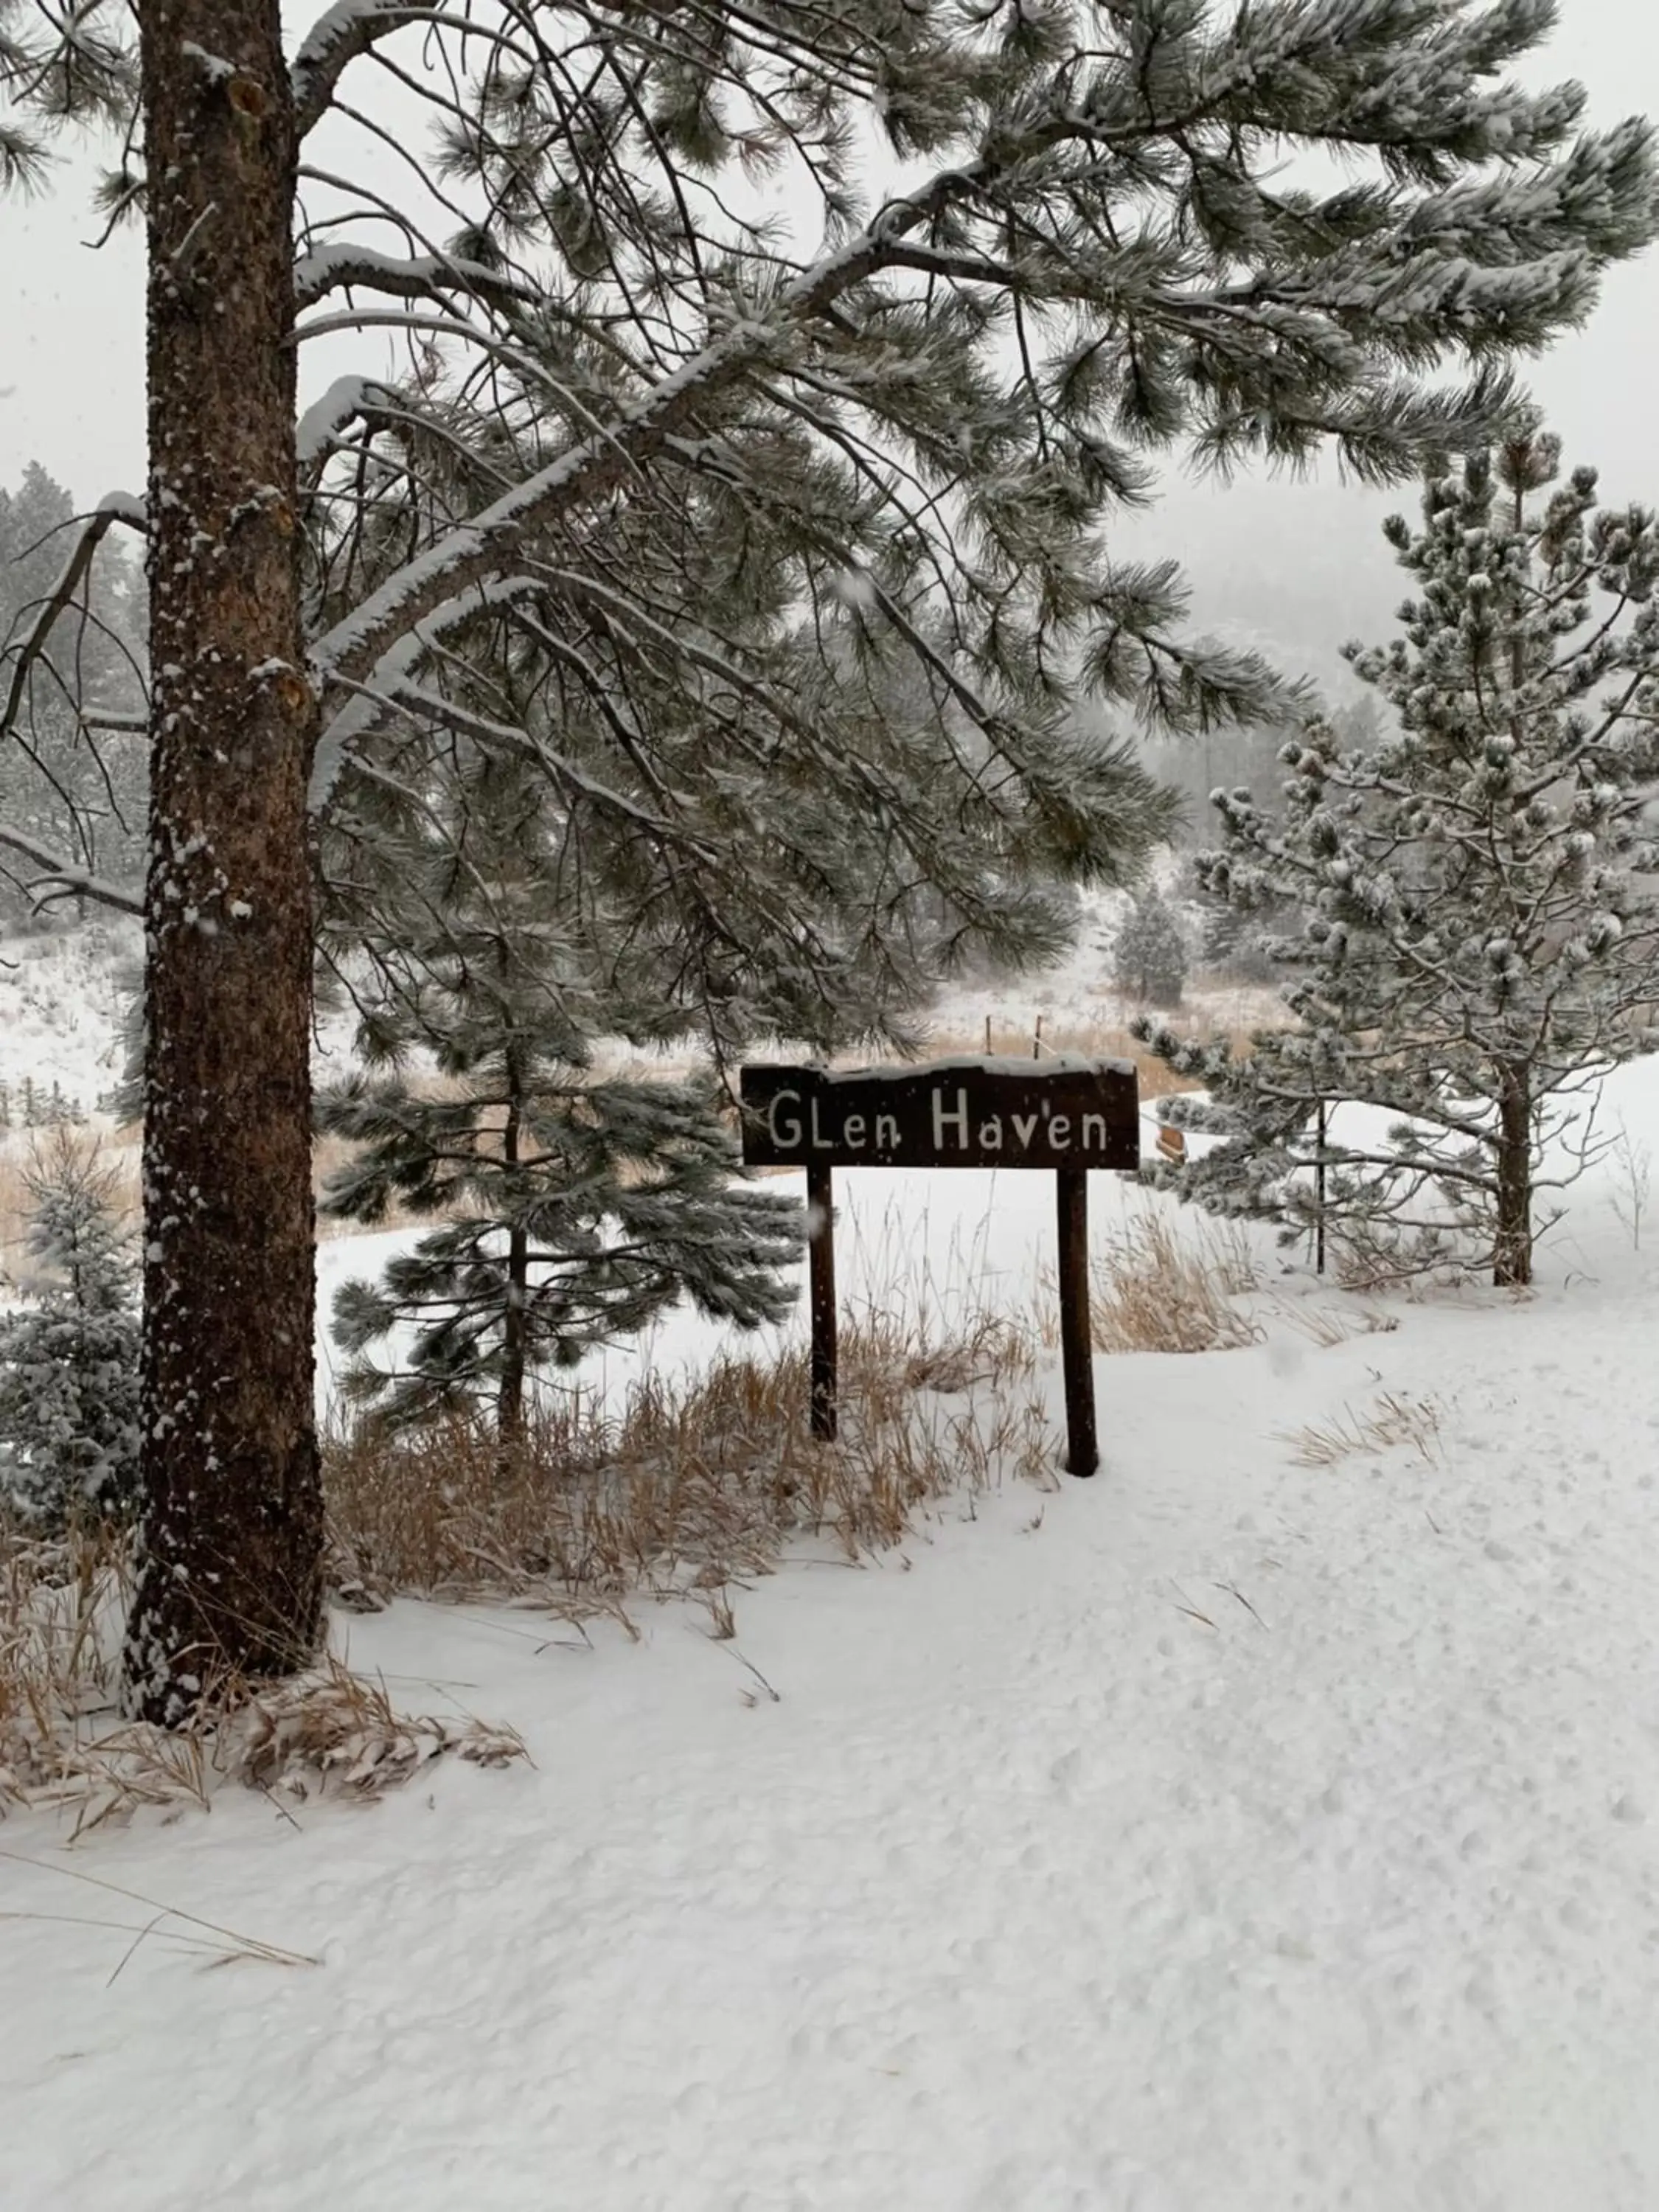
[230, 1573]
[1512, 1255]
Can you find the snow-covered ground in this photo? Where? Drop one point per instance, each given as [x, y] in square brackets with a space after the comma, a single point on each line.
[1225, 1832]
[61, 1008]
[64, 997]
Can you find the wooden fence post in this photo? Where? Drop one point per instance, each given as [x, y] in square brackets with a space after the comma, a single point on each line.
[1076, 1345]
[821, 1258]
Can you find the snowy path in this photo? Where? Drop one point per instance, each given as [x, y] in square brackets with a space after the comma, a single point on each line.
[1033, 1893]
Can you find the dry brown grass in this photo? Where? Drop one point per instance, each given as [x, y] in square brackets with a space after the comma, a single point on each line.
[1103, 1038]
[60, 1605]
[1393, 1419]
[64, 1745]
[1329, 1326]
[166, 1926]
[333, 1730]
[687, 1491]
[1168, 1282]
[1153, 1289]
[1156, 1291]
[691, 1487]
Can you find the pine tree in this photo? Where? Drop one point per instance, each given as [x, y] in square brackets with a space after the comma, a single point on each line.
[1232, 946]
[1475, 945]
[574, 1209]
[930, 413]
[1149, 956]
[68, 1361]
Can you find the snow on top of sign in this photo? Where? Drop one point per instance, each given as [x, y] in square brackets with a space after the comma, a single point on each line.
[982, 1063]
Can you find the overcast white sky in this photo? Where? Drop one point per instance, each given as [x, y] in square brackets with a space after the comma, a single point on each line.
[1299, 565]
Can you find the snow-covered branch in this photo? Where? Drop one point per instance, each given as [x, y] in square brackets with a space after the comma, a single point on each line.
[439, 577]
[329, 269]
[340, 36]
[58, 879]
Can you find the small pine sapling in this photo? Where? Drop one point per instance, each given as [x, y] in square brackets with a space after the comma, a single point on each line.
[581, 1212]
[572, 1209]
[69, 1359]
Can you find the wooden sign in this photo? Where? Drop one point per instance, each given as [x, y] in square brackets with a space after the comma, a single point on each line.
[951, 1114]
[1066, 1115]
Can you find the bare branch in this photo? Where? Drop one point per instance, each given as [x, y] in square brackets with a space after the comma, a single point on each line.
[119, 506]
[61, 879]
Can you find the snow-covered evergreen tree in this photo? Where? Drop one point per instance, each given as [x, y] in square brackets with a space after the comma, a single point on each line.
[69, 1359]
[1149, 956]
[1477, 936]
[575, 1207]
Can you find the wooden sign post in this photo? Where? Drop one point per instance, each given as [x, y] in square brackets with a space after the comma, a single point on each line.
[1066, 1115]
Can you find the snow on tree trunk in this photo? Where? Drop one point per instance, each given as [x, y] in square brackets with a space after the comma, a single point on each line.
[230, 1571]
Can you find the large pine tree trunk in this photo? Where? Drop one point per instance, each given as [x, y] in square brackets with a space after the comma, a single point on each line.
[1512, 1254]
[230, 1575]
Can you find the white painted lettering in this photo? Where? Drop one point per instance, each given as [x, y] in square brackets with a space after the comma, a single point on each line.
[852, 1133]
[958, 1120]
[1025, 1127]
[1097, 1123]
[820, 1142]
[990, 1135]
[887, 1136]
[1060, 1131]
[784, 1129]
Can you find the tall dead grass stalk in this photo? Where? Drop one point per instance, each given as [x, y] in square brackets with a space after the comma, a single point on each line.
[1152, 1290]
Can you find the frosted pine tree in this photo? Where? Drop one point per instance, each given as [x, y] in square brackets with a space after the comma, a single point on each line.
[1149, 956]
[1476, 944]
[574, 1208]
[69, 1359]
